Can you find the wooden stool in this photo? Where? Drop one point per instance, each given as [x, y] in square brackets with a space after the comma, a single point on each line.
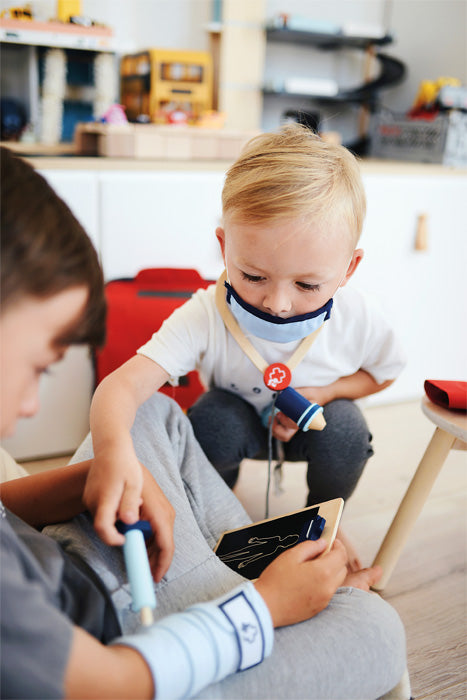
[450, 433]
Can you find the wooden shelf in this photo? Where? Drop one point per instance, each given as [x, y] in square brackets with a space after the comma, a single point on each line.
[56, 34]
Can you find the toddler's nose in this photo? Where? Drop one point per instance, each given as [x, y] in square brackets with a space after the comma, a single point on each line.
[277, 301]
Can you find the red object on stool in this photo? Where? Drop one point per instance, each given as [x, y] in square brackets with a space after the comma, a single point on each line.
[136, 309]
[447, 393]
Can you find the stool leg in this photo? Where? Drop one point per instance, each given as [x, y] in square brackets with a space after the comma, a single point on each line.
[412, 503]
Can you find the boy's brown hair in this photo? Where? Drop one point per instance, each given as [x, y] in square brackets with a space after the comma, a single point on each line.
[293, 173]
[45, 250]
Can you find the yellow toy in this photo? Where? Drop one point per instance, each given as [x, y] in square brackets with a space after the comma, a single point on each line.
[17, 13]
[158, 83]
[67, 9]
[428, 92]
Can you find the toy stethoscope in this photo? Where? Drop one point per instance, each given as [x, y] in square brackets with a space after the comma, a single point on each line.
[277, 376]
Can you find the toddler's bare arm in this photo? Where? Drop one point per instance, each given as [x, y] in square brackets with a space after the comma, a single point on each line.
[114, 487]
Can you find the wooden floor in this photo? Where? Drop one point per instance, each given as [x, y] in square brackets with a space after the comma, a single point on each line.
[428, 585]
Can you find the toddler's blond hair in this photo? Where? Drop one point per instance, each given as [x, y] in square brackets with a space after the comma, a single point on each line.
[293, 173]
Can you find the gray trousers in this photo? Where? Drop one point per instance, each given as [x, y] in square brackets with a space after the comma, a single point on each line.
[229, 429]
[352, 650]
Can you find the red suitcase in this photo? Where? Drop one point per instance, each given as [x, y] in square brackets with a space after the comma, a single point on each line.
[136, 309]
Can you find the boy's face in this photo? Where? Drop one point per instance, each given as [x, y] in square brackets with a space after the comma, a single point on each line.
[28, 345]
[288, 267]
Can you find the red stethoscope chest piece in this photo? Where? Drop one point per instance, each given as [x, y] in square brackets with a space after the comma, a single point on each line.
[277, 376]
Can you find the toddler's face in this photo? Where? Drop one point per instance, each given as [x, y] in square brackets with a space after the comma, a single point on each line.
[289, 267]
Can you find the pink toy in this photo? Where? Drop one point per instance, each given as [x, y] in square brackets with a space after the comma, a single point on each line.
[115, 114]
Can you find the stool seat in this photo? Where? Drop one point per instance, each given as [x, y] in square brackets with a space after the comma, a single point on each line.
[450, 433]
[453, 422]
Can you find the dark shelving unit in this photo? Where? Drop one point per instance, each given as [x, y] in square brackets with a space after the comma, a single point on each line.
[392, 70]
[325, 40]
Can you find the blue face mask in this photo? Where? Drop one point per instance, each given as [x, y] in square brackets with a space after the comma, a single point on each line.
[273, 328]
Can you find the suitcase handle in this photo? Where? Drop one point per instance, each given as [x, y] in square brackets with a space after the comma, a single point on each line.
[170, 278]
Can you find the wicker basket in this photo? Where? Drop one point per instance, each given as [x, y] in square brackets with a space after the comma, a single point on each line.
[440, 140]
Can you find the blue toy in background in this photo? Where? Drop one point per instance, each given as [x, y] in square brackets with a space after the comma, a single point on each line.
[295, 406]
[137, 566]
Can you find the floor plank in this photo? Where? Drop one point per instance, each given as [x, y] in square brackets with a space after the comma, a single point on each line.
[451, 692]
[435, 628]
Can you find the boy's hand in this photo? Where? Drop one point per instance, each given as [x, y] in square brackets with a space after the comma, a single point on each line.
[122, 489]
[299, 583]
[161, 514]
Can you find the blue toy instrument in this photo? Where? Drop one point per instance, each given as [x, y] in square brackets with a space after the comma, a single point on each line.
[294, 406]
[297, 407]
[138, 570]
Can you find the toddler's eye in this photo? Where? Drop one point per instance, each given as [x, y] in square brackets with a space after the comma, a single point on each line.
[308, 287]
[252, 278]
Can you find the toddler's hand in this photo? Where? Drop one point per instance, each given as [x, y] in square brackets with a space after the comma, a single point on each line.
[318, 394]
[283, 427]
[113, 492]
[118, 489]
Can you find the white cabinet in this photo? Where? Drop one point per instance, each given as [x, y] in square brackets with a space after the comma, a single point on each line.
[160, 219]
[80, 190]
[423, 292]
[62, 420]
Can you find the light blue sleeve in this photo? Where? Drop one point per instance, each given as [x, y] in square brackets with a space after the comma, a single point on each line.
[205, 643]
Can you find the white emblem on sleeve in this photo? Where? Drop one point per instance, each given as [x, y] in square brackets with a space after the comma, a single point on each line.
[248, 630]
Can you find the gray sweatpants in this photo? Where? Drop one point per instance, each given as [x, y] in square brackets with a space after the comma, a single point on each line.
[352, 650]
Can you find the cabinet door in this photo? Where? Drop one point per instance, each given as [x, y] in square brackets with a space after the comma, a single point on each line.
[423, 292]
[65, 393]
[79, 189]
[63, 418]
[163, 219]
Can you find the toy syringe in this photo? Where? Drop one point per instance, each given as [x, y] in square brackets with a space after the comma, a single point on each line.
[137, 567]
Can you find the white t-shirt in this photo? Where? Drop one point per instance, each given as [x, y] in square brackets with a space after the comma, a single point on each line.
[357, 336]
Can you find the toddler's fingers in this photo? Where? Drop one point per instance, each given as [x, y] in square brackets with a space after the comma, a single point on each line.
[130, 503]
[104, 524]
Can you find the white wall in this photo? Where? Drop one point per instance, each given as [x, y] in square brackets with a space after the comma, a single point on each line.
[431, 37]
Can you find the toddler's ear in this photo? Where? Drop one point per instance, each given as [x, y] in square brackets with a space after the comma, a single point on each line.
[220, 235]
[353, 264]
